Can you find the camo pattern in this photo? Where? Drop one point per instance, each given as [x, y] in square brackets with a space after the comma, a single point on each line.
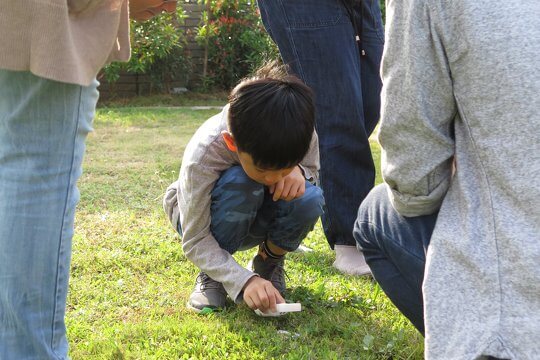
[244, 214]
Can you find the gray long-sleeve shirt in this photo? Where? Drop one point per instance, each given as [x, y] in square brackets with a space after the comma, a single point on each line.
[188, 200]
[462, 82]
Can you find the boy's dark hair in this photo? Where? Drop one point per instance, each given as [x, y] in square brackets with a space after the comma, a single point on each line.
[272, 117]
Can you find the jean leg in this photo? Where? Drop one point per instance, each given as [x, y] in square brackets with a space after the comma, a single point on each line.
[394, 247]
[236, 200]
[286, 223]
[368, 15]
[43, 126]
[316, 39]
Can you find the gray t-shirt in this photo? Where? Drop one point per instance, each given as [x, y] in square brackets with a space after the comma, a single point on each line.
[462, 83]
[188, 200]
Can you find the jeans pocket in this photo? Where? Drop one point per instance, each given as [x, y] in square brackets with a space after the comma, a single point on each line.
[374, 28]
[313, 13]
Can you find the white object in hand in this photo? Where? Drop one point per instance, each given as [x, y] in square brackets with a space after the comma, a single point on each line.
[281, 309]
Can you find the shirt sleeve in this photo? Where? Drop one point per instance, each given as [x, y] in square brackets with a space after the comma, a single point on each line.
[195, 186]
[311, 163]
[418, 110]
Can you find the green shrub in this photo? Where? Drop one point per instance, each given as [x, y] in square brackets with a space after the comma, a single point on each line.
[157, 50]
[236, 41]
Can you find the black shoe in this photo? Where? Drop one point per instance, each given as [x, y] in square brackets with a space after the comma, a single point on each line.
[207, 293]
[272, 270]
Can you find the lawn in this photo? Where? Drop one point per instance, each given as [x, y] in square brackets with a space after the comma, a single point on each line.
[130, 281]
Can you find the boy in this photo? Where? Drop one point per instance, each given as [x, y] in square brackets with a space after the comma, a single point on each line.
[247, 179]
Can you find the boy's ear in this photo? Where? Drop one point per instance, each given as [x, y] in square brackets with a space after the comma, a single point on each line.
[229, 141]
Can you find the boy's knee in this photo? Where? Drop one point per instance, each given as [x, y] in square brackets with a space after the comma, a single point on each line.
[236, 175]
[234, 181]
[309, 207]
[235, 199]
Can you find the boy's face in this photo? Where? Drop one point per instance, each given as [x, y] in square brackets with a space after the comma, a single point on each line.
[266, 177]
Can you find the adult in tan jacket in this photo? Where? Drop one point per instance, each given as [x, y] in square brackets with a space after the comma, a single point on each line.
[50, 53]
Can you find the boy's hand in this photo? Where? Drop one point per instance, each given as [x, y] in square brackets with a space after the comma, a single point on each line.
[290, 187]
[261, 294]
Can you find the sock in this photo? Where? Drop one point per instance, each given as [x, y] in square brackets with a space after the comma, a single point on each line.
[269, 253]
[349, 260]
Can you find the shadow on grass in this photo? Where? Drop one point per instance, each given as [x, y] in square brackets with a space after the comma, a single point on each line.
[342, 317]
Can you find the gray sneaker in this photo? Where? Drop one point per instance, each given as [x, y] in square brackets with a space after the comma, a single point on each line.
[207, 293]
[272, 270]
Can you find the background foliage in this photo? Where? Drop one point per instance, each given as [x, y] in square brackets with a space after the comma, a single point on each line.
[230, 31]
[236, 41]
[157, 50]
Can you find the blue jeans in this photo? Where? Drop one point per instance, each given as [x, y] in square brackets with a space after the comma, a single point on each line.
[43, 125]
[394, 247]
[244, 214]
[316, 39]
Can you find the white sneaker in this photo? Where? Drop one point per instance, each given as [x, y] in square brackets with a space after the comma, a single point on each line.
[350, 261]
[303, 249]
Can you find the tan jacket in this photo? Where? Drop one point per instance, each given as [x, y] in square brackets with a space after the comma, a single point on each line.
[63, 40]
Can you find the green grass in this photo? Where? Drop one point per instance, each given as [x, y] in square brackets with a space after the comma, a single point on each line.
[130, 281]
[185, 99]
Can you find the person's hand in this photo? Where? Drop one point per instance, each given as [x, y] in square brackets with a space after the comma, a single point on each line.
[261, 294]
[142, 10]
[290, 187]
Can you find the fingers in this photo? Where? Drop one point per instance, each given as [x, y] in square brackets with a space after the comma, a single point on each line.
[267, 299]
[262, 295]
[278, 189]
[301, 189]
[136, 6]
[279, 299]
[274, 298]
[289, 190]
[143, 15]
[263, 298]
[142, 10]
[297, 190]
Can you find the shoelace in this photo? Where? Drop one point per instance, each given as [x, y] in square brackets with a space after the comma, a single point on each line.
[208, 283]
[278, 272]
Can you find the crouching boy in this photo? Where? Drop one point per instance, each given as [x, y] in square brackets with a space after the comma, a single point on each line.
[247, 179]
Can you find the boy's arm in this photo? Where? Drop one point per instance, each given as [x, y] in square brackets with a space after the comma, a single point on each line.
[195, 186]
[310, 164]
[258, 292]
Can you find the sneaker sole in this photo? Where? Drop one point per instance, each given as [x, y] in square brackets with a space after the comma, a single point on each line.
[204, 310]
